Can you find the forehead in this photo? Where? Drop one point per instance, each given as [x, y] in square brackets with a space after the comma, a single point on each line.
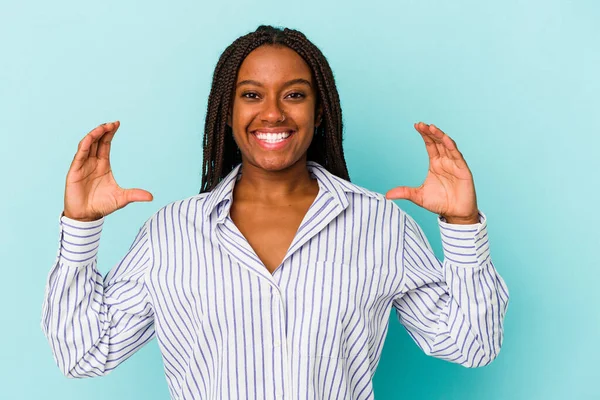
[273, 64]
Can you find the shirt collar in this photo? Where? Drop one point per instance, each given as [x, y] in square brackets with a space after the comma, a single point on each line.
[220, 197]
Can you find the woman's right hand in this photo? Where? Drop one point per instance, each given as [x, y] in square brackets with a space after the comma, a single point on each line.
[91, 191]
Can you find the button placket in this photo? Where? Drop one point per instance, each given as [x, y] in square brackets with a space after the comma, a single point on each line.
[277, 343]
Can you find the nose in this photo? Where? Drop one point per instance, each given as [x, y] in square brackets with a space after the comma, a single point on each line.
[272, 112]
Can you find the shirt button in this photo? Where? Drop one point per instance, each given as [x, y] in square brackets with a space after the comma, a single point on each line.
[276, 343]
[279, 395]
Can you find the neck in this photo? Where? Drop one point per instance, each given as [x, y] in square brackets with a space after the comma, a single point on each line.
[260, 185]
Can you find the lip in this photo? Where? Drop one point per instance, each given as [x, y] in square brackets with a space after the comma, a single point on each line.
[272, 146]
[279, 129]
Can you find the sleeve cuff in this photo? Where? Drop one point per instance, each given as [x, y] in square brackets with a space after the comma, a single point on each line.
[79, 240]
[465, 244]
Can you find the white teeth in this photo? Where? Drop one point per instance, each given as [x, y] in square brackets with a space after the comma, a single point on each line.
[272, 137]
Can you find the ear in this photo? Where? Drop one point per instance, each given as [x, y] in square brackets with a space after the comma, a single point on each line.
[319, 116]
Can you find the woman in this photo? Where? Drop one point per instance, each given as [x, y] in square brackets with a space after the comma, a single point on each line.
[277, 279]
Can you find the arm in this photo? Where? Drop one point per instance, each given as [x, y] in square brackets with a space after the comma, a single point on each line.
[93, 323]
[454, 310]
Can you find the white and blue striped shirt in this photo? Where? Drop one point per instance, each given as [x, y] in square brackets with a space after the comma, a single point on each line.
[314, 329]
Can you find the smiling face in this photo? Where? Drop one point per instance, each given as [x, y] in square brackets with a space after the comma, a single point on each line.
[273, 117]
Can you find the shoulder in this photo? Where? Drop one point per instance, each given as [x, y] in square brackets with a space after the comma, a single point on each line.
[188, 208]
[359, 195]
[356, 190]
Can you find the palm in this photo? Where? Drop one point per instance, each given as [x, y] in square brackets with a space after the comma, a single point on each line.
[91, 190]
[448, 188]
[94, 188]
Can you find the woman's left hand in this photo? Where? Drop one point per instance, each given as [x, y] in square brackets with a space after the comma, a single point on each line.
[448, 189]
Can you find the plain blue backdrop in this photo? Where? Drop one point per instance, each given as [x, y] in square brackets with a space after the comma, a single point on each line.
[514, 83]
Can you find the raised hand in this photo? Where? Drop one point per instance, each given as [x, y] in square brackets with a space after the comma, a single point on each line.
[91, 191]
[448, 189]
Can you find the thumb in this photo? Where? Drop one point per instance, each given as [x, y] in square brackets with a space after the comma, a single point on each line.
[132, 195]
[403, 192]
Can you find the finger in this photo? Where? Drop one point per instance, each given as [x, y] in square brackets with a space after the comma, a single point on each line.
[449, 144]
[84, 149]
[133, 195]
[430, 145]
[97, 134]
[103, 150]
[438, 137]
[405, 193]
[110, 128]
[94, 149]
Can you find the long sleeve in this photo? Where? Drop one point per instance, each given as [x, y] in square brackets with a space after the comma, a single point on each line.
[453, 310]
[93, 323]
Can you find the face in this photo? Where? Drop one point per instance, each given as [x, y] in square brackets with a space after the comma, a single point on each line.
[273, 117]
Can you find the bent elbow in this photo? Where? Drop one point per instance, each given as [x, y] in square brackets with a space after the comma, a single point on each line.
[482, 358]
[79, 372]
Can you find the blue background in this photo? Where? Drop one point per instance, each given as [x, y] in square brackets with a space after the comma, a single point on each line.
[515, 83]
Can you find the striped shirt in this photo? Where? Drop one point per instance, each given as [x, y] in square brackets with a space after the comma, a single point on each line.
[313, 329]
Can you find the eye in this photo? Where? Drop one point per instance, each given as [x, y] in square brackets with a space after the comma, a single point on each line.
[250, 95]
[296, 95]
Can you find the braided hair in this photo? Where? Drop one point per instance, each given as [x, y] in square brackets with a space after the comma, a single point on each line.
[221, 153]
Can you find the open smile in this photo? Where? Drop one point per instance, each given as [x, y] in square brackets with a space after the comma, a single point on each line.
[272, 139]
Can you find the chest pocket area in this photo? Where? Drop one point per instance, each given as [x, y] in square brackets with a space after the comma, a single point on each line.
[332, 311]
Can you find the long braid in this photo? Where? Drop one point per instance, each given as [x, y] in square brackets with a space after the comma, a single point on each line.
[221, 153]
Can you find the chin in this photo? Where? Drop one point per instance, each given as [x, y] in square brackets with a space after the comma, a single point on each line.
[274, 163]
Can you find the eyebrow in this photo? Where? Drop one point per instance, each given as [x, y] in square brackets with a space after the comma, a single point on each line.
[288, 83]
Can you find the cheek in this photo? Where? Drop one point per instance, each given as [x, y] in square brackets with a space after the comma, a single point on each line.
[305, 118]
[303, 114]
[244, 115]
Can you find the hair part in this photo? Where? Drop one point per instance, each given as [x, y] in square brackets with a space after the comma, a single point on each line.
[221, 153]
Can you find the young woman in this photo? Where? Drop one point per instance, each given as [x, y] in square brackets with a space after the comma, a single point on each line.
[277, 279]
